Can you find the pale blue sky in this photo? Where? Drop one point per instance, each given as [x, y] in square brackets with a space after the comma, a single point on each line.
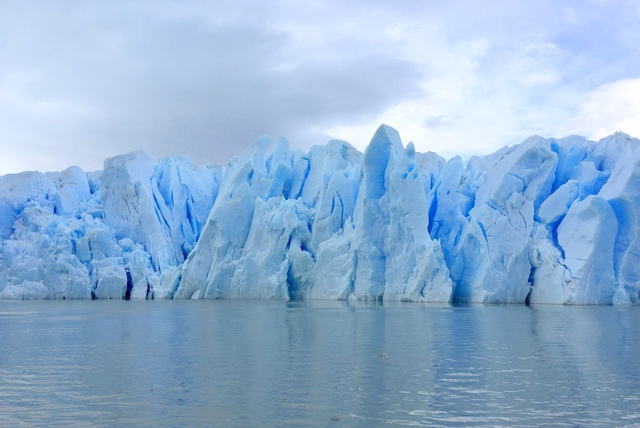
[84, 80]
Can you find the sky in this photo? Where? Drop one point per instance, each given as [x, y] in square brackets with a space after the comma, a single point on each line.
[81, 81]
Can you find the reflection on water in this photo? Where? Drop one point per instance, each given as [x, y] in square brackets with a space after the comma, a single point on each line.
[231, 363]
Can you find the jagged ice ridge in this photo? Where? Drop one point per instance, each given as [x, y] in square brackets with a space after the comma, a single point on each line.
[544, 221]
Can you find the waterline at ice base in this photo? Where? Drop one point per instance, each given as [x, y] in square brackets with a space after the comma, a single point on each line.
[544, 221]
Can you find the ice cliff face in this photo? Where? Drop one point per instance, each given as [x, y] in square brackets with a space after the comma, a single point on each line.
[115, 234]
[545, 221]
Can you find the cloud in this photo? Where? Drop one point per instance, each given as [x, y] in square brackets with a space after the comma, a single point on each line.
[82, 80]
[500, 74]
[611, 107]
[113, 79]
[479, 96]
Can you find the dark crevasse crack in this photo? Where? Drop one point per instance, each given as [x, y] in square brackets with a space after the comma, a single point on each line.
[149, 295]
[532, 273]
[127, 293]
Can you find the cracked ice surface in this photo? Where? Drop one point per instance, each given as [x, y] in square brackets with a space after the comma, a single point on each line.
[544, 221]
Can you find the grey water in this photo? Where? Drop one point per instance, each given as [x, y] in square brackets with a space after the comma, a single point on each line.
[272, 363]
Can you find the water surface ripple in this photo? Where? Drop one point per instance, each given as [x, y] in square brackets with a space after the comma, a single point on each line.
[245, 363]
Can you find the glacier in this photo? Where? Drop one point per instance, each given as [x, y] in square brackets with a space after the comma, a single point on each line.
[546, 221]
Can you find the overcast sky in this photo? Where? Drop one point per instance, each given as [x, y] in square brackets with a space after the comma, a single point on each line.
[84, 80]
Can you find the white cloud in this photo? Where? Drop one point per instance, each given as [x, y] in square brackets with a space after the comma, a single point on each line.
[611, 107]
[479, 95]
[191, 78]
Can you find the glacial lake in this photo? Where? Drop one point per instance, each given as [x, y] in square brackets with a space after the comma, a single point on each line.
[336, 364]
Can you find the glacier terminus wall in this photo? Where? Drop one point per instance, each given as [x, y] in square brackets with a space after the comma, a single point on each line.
[545, 221]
